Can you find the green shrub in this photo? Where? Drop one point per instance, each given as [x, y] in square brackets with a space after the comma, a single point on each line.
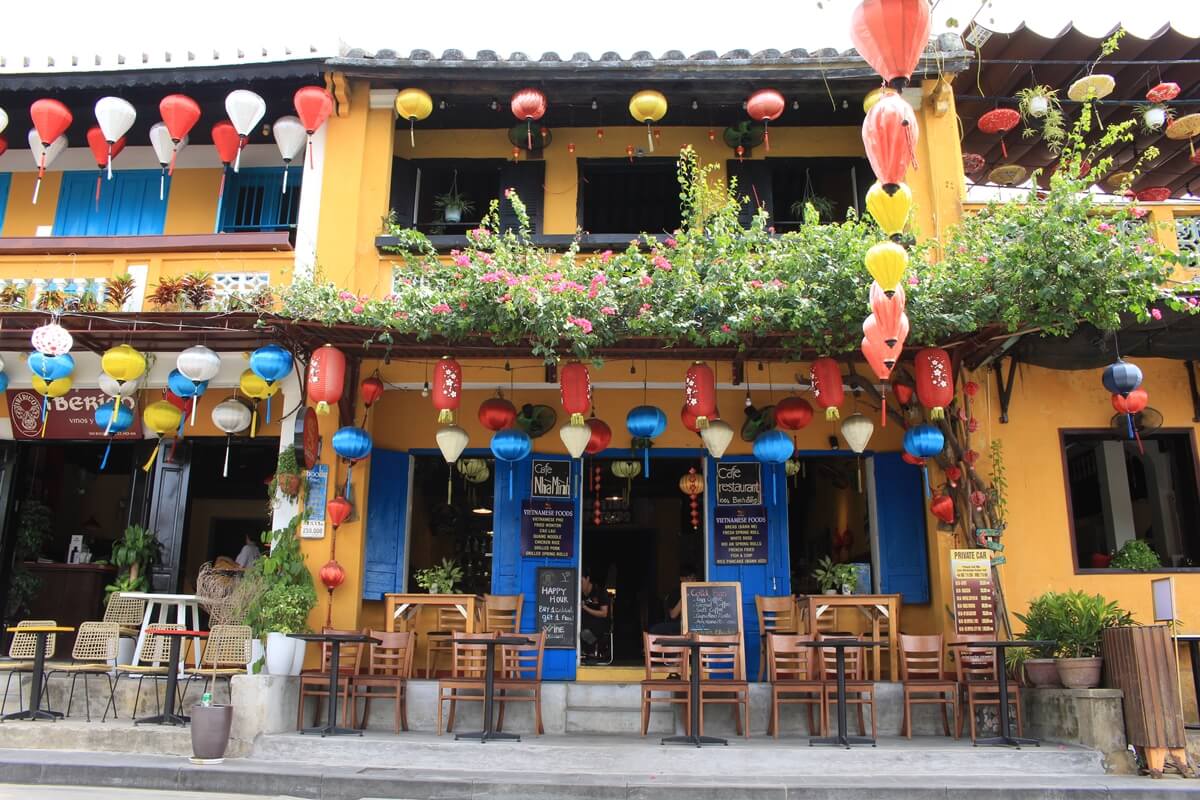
[1137, 555]
[1074, 620]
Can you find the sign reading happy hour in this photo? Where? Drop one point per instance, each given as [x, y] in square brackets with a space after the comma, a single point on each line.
[740, 535]
[551, 479]
[739, 483]
[547, 529]
[72, 416]
[974, 605]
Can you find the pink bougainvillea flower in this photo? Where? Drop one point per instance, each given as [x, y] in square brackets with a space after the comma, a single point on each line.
[1156, 313]
[584, 325]
[441, 308]
[506, 298]
[913, 280]
[490, 277]
[508, 193]
[487, 259]
[606, 256]
[608, 311]
[1105, 227]
[358, 308]
[776, 283]
[550, 277]
[756, 284]
[462, 260]
[344, 295]
[401, 315]
[661, 262]
[725, 328]
[670, 242]
[1140, 212]
[646, 280]
[645, 307]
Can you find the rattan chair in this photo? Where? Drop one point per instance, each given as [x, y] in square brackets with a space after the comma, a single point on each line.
[389, 665]
[226, 653]
[520, 678]
[94, 652]
[466, 682]
[21, 650]
[666, 678]
[128, 612]
[795, 679]
[502, 612]
[775, 615]
[150, 662]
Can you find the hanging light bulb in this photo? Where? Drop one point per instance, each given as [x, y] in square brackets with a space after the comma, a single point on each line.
[425, 390]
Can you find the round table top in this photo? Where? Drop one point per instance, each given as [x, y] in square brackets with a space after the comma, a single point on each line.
[41, 629]
[1008, 643]
[175, 632]
[345, 638]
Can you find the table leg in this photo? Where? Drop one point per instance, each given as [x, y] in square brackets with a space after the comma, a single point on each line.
[1194, 651]
[169, 717]
[1005, 737]
[196, 646]
[330, 728]
[489, 693]
[141, 637]
[35, 711]
[893, 615]
[842, 738]
[693, 735]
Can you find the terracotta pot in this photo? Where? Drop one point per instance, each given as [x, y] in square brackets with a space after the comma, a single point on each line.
[210, 731]
[1079, 673]
[1042, 672]
[289, 484]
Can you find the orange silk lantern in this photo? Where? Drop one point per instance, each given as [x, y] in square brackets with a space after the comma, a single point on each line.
[935, 380]
[447, 389]
[891, 344]
[226, 140]
[332, 575]
[496, 413]
[888, 312]
[529, 105]
[180, 114]
[338, 510]
[793, 413]
[891, 35]
[371, 390]
[826, 379]
[765, 106]
[890, 137]
[326, 377]
[1135, 402]
[700, 393]
[576, 389]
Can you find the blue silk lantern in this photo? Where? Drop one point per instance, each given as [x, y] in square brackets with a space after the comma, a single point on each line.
[352, 444]
[645, 423]
[51, 368]
[924, 441]
[1121, 377]
[511, 445]
[272, 363]
[183, 386]
[773, 448]
[3, 381]
[112, 423]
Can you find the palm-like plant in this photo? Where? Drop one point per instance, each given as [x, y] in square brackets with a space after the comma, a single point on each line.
[119, 291]
[198, 290]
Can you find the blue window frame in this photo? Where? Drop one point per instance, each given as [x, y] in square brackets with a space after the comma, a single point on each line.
[253, 200]
[129, 204]
[5, 183]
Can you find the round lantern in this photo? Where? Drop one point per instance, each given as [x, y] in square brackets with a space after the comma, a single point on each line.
[719, 434]
[447, 389]
[890, 35]
[890, 210]
[600, 438]
[198, 363]
[112, 420]
[115, 117]
[180, 114]
[645, 424]
[496, 413]
[922, 442]
[123, 363]
[186, 388]
[999, 121]
[338, 510]
[56, 387]
[773, 448]
[162, 418]
[700, 393]
[793, 413]
[314, 105]
[528, 105]
[371, 390]
[575, 438]
[692, 485]
[647, 107]
[332, 575]
[826, 378]
[575, 386]
[890, 136]
[245, 109]
[511, 445]
[451, 440]
[230, 416]
[887, 261]
[51, 368]
[353, 444]
[413, 105]
[52, 339]
[289, 135]
[765, 106]
[272, 363]
[1129, 405]
[256, 389]
[1122, 377]
[326, 377]
[935, 380]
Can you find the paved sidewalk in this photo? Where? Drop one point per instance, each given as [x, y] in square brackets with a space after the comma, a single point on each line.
[26, 792]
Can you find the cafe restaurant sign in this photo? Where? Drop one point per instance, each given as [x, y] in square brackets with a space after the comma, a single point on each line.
[739, 483]
[551, 478]
[71, 416]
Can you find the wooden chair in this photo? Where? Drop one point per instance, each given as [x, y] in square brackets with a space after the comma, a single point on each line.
[226, 653]
[502, 612]
[860, 692]
[468, 671]
[795, 678]
[921, 669]
[521, 672]
[21, 650]
[151, 661]
[975, 668]
[315, 682]
[775, 615]
[93, 654]
[441, 641]
[389, 666]
[667, 673]
[723, 680]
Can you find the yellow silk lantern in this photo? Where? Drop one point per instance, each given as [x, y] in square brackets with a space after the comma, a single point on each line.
[123, 363]
[256, 389]
[413, 105]
[890, 211]
[161, 417]
[886, 262]
[648, 106]
[872, 98]
[55, 388]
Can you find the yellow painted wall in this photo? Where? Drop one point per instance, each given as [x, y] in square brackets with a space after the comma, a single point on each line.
[21, 216]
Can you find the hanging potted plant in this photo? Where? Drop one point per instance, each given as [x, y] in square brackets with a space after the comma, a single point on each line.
[453, 206]
[834, 578]
[288, 476]
[440, 579]
[1041, 103]
[1156, 116]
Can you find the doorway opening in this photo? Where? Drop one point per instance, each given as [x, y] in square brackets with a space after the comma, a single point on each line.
[828, 517]
[451, 519]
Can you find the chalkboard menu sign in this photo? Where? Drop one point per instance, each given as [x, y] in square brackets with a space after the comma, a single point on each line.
[714, 608]
[739, 483]
[557, 605]
[550, 478]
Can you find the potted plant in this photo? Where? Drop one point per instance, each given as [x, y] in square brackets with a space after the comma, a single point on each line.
[285, 601]
[452, 206]
[1156, 117]
[1040, 624]
[1041, 103]
[441, 578]
[833, 578]
[288, 475]
[134, 554]
[1080, 620]
[1135, 554]
[823, 207]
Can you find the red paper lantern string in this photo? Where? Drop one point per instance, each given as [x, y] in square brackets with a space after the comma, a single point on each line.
[765, 106]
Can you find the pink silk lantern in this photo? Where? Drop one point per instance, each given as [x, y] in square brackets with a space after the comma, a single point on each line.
[888, 311]
[765, 106]
[891, 35]
[890, 137]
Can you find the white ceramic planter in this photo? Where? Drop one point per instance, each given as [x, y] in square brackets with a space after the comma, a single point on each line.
[298, 657]
[257, 653]
[1154, 118]
[453, 215]
[1038, 106]
[281, 654]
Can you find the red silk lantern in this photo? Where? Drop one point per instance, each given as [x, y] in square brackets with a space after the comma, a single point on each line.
[826, 379]
[326, 377]
[576, 389]
[496, 413]
[890, 35]
[1001, 121]
[102, 152]
[909, 458]
[371, 391]
[700, 393]
[942, 507]
[979, 499]
[1163, 92]
[935, 380]
[51, 120]
[953, 473]
[601, 436]
[183, 404]
[226, 140]
[902, 390]
[180, 114]
[877, 355]
[447, 389]
[529, 105]
[688, 418]
[765, 106]
[338, 509]
[1134, 403]
[888, 312]
[313, 106]
[332, 575]
[793, 413]
[890, 137]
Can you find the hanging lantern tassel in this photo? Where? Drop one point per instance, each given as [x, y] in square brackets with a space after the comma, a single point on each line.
[112, 417]
[45, 415]
[767, 135]
[883, 406]
[104, 461]
[284, 191]
[99, 177]
[37, 185]
[925, 479]
[860, 481]
[412, 132]
[449, 484]
[221, 187]
[649, 136]
[110, 161]
[254, 420]
[268, 409]
[162, 184]
[349, 472]
[308, 147]
[529, 133]
[228, 442]
[237, 160]
[153, 456]
[174, 152]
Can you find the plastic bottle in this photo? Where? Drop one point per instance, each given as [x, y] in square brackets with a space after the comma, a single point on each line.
[206, 699]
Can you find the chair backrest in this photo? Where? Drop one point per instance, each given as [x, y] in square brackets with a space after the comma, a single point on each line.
[227, 647]
[124, 610]
[974, 664]
[722, 663]
[157, 648]
[470, 654]
[96, 641]
[788, 659]
[350, 656]
[524, 661]
[502, 612]
[450, 620]
[24, 645]
[855, 659]
[921, 657]
[662, 660]
[393, 656]
[776, 614]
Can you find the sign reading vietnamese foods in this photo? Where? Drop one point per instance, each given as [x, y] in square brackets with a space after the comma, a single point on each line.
[547, 529]
[72, 416]
[974, 605]
[551, 479]
[739, 483]
[557, 604]
[315, 494]
[740, 534]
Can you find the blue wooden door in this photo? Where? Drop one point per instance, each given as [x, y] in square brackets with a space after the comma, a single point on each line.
[5, 184]
[128, 205]
[387, 523]
[514, 574]
[900, 514]
[773, 578]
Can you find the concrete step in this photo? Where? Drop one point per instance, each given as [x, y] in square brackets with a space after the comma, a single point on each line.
[111, 737]
[622, 720]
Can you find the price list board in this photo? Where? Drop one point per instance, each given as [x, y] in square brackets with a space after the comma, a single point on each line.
[974, 604]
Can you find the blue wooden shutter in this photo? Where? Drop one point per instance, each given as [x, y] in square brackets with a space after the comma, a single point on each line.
[5, 183]
[900, 514]
[387, 523]
[129, 205]
[254, 199]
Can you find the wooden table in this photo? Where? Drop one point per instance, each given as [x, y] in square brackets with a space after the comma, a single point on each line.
[403, 608]
[876, 608]
[34, 712]
[335, 641]
[489, 690]
[169, 717]
[182, 603]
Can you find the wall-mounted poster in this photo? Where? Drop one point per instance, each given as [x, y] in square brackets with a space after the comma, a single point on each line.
[547, 528]
[740, 535]
[974, 605]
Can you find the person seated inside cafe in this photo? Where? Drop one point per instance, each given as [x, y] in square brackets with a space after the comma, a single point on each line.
[245, 557]
[671, 626]
[594, 622]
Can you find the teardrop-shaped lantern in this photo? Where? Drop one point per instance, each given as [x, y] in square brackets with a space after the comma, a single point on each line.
[245, 109]
[289, 136]
[890, 211]
[887, 261]
[314, 105]
[451, 440]
[891, 35]
[716, 437]
[575, 438]
[857, 430]
[165, 149]
[43, 156]
[115, 116]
